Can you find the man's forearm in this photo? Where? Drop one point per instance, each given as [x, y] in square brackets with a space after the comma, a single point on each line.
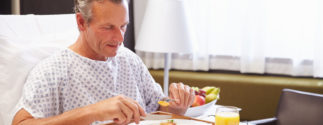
[79, 116]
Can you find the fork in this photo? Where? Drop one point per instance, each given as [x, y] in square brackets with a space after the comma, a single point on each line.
[167, 99]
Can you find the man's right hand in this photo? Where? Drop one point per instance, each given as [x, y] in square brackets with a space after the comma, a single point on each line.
[120, 109]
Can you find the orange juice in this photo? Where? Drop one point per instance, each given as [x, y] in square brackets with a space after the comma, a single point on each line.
[227, 118]
[227, 115]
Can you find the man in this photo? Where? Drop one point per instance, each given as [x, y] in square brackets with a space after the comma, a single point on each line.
[95, 79]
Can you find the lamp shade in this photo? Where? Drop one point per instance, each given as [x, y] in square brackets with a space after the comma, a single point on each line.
[165, 28]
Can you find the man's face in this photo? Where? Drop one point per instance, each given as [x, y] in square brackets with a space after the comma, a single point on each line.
[105, 32]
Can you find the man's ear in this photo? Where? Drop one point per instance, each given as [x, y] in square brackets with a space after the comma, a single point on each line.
[81, 23]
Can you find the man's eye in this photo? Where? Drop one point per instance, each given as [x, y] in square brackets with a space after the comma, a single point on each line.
[108, 27]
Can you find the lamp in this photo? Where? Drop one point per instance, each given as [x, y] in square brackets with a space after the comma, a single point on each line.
[165, 29]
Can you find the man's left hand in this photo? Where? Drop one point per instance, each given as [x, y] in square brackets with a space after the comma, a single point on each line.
[184, 97]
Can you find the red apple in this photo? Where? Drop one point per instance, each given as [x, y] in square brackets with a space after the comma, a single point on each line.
[199, 100]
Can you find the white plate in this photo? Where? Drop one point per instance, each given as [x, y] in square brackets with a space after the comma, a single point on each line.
[177, 121]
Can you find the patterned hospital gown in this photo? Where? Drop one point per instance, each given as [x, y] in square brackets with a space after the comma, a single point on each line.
[66, 81]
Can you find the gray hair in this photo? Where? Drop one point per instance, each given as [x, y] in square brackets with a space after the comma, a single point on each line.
[85, 7]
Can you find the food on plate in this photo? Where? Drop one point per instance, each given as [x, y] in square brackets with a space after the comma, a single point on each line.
[163, 103]
[169, 122]
[205, 95]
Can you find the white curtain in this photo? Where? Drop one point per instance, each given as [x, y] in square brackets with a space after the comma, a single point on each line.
[251, 36]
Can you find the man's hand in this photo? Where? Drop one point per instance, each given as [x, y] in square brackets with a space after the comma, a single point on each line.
[121, 109]
[184, 97]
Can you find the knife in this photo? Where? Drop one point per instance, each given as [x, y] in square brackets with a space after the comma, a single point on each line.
[156, 117]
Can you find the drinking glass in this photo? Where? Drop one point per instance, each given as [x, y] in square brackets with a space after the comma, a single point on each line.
[227, 115]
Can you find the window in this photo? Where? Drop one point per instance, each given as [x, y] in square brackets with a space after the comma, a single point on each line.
[251, 36]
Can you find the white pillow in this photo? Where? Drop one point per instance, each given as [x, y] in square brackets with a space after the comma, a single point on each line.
[24, 41]
[36, 26]
[17, 58]
[19, 26]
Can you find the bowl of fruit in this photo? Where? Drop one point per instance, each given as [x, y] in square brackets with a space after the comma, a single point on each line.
[205, 98]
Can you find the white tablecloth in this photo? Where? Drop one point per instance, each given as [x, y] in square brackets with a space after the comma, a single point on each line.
[209, 115]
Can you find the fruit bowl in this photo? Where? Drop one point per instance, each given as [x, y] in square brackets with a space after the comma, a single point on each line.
[199, 110]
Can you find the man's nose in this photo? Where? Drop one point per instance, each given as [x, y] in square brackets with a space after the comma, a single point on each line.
[118, 35]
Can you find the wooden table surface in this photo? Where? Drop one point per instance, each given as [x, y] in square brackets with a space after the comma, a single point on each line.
[174, 116]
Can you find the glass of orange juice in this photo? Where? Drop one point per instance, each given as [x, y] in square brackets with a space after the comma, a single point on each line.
[227, 115]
